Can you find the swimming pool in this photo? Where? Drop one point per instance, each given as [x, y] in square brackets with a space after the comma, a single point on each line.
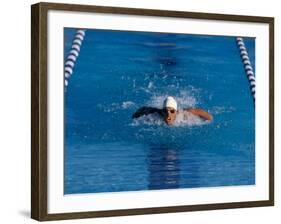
[116, 73]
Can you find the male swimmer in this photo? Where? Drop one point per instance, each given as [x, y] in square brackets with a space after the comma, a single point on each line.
[170, 111]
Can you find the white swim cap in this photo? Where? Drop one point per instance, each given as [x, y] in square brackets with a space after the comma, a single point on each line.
[170, 102]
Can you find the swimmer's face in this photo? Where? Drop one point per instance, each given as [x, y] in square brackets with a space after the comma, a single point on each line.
[170, 115]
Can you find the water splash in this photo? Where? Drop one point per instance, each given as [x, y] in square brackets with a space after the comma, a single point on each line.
[127, 104]
[116, 106]
[185, 99]
[221, 109]
[150, 120]
[182, 119]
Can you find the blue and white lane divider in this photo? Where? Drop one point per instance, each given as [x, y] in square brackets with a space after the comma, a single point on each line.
[247, 65]
[73, 55]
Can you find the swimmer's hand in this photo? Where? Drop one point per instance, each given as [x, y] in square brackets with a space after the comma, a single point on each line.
[145, 111]
[200, 113]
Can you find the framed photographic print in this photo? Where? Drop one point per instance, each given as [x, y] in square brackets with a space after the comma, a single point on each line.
[138, 111]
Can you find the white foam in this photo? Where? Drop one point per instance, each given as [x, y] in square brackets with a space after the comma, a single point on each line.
[127, 104]
[151, 119]
[221, 109]
[116, 106]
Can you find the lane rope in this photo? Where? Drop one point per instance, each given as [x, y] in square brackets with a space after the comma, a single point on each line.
[73, 55]
[247, 65]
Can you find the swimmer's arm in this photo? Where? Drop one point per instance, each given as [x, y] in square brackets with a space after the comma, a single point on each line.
[145, 111]
[201, 113]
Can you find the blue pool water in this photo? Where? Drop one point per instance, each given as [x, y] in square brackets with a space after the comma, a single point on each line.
[118, 72]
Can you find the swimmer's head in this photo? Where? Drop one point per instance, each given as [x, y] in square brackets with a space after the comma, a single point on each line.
[170, 102]
[170, 110]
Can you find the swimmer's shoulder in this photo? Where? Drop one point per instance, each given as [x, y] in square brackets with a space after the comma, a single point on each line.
[146, 110]
[199, 112]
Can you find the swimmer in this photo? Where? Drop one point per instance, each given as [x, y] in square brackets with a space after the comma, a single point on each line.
[170, 111]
